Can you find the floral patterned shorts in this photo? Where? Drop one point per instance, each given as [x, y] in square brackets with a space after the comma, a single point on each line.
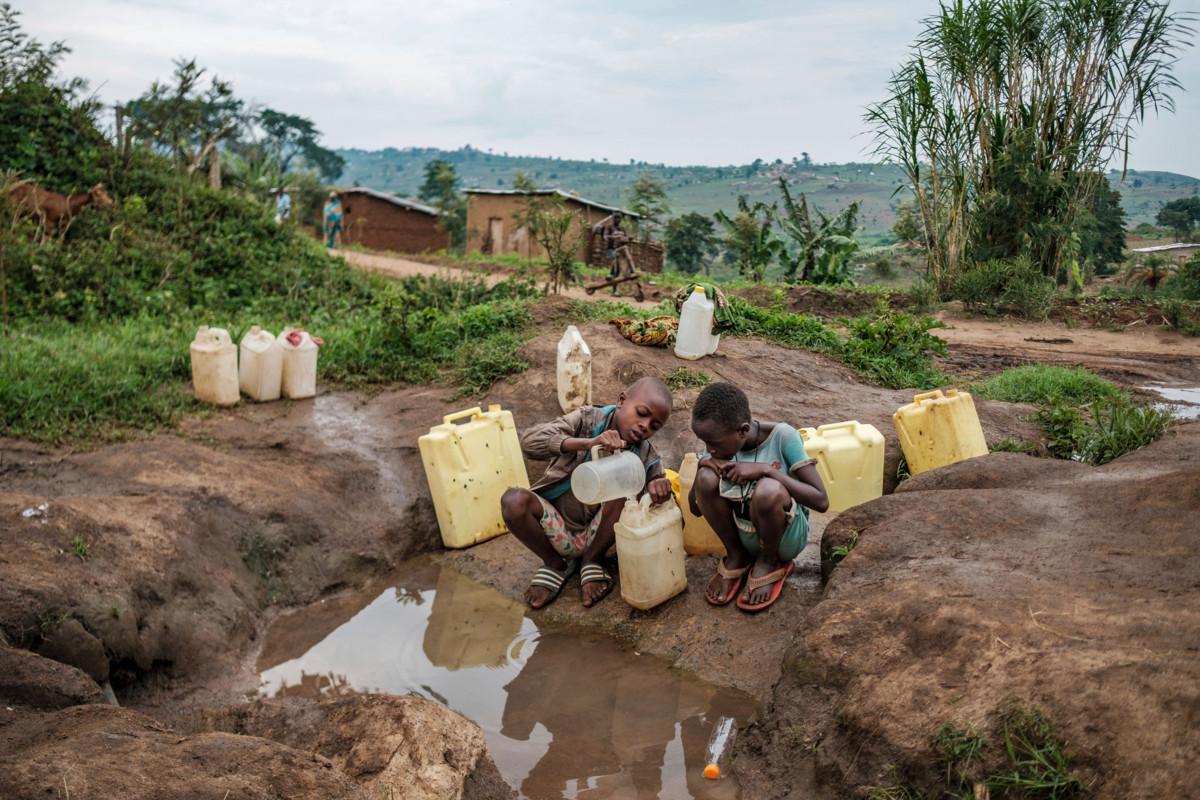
[566, 544]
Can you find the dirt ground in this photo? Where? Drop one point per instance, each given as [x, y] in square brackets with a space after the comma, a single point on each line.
[157, 564]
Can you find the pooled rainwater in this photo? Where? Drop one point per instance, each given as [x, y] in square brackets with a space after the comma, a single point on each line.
[1182, 401]
[565, 713]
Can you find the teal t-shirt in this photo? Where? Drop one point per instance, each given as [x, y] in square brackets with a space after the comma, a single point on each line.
[783, 449]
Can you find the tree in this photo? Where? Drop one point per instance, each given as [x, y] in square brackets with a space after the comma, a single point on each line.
[186, 120]
[648, 199]
[907, 227]
[521, 182]
[560, 231]
[288, 137]
[1101, 228]
[749, 238]
[823, 248]
[1008, 111]
[1181, 216]
[440, 190]
[691, 242]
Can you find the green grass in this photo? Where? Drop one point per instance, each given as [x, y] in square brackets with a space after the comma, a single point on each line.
[684, 378]
[957, 750]
[1101, 431]
[1038, 768]
[1043, 383]
[79, 548]
[842, 550]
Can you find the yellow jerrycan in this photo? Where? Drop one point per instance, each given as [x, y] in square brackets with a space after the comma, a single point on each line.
[698, 536]
[650, 552]
[470, 625]
[849, 460]
[469, 465]
[936, 429]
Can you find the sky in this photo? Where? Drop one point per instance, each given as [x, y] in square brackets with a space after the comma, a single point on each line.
[670, 81]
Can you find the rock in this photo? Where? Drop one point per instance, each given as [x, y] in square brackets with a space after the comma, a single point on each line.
[404, 747]
[99, 752]
[71, 644]
[27, 679]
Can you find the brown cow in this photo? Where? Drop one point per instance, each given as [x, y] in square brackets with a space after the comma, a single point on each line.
[52, 208]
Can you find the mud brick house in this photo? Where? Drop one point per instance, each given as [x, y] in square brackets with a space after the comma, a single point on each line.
[383, 221]
[492, 227]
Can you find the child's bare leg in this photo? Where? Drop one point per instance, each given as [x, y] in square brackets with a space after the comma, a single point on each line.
[719, 513]
[605, 536]
[522, 511]
[768, 512]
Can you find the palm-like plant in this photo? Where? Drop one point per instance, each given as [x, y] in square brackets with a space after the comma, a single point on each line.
[823, 248]
[750, 238]
[1149, 271]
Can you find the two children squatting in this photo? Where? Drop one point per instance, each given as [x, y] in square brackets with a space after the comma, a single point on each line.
[755, 487]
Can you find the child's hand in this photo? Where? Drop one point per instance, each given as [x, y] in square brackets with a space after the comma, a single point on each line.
[715, 464]
[745, 471]
[609, 440]
[660, 490]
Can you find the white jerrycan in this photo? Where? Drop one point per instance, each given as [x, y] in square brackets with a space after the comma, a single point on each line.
[214, 367]
[299, 365]
[694, 339]
[610, 478]
[260, 371]
[574, 371]
[650, 552]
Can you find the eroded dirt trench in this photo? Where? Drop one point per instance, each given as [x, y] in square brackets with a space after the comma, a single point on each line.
[193, 543]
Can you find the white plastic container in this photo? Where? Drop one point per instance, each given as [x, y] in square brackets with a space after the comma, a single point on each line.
[214, 367]
[574, 371]
[650, 552]
[609, 478]
[695, 338]
[299, 365]
[260, 370]
[720, 748]
[698, 536]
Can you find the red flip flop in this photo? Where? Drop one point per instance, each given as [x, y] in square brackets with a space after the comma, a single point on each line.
[734, 575]
[776, 577]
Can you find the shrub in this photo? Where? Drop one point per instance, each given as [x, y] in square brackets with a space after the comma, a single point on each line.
[895, 348]
[1013, 285]
[923, 295]
[1100, 431]
[1186, 282]
[1042, 383]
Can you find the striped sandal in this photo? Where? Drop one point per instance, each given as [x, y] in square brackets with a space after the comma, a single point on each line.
[594, 573]
[552, 581]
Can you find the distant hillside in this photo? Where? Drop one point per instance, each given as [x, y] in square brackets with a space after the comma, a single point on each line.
[706, 189]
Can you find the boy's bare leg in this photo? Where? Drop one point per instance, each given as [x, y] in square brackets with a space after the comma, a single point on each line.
[719, 513]
[768, 512]
[522, 511]
[605, 536]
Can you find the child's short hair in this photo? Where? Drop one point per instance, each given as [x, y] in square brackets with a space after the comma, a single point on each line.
[723, 403]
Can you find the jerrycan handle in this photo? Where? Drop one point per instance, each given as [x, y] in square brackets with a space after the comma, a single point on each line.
[839, 426]
[470, 412]
[923, 396]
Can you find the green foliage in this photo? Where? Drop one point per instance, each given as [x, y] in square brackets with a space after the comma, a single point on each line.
[1186, 282]
[1037, 766]
[823, 248]
[894, 348]
[1149, 271]
[691, 243]
[1042, 384]
[1101, 227]
[1182, 316]
[957, 750]
[79, 548]
[1102, 430]
[923, 295]
[648, 198]
[441, 190]
[1181, 216]
[793, 330]
[482, 362]
[560, 231]
[1013, 285]
[839, 552]
[289, 138]
[684, 378]
[1011, 444]
[748, 238]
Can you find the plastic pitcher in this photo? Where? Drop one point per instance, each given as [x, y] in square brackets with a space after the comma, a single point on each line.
[214, 367]
[695, 339]
[849, 460]
[574, 371]
[299, 365]
[698, 536]
[650, 552]
[938, 429]
[260, 371]
[610, 478]
[470, 460]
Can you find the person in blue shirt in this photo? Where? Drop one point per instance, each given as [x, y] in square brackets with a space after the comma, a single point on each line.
[755, 486]
[333, 219]
[283, 206]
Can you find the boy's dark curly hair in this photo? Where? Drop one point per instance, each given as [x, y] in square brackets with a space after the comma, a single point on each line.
[723, 403]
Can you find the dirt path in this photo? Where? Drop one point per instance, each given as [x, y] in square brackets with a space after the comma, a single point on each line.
[397, 267]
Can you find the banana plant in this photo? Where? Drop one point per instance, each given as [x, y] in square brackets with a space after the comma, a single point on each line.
[823, 247]
[750, 237]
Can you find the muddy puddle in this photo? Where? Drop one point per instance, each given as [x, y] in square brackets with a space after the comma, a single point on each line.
[1182, 401]
[566, 713]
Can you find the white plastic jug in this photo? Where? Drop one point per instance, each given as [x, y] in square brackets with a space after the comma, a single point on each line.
[214, 367]
[260, 370]
[299, 365]
[650, 552]
[574, 371]
[695, 338]
[609, 478]
[698, 536]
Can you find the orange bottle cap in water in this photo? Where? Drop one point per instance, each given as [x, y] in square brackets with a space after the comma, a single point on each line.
[712, 772]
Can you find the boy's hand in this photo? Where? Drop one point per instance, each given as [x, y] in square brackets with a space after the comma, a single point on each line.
[715, 464]
[609, 440]
[745, 471]
[660, 490]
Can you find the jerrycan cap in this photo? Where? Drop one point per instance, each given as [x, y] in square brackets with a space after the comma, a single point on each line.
[255, 330]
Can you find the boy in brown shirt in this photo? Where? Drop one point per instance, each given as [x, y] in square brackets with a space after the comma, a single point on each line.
[551, 521]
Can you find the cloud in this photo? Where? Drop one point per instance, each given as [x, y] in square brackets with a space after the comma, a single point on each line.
[670, 81]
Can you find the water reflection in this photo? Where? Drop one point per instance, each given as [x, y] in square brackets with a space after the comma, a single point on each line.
[1182, 401]
[566, 714]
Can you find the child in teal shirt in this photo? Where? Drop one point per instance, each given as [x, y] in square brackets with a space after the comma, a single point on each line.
[755, 487]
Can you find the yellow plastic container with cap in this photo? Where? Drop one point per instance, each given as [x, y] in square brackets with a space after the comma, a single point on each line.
[939, 428]
[470, 460]
[849, 460]
[470, 625]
